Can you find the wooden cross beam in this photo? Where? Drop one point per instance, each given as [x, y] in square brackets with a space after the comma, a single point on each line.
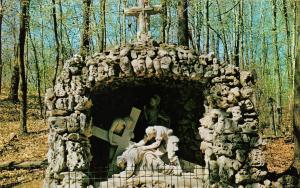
[121, 141]
[143, 13]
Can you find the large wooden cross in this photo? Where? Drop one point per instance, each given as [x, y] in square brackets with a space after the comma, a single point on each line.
[121, 141]
[143, 13]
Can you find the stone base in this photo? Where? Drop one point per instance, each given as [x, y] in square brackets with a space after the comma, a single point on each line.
[67, 180]
[153, 180]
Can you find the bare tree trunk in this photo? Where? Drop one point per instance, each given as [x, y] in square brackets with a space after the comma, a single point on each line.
[164, 16]
[264, 54]
[24, 22]
[207, 26]
[272, 114]
[1, 63]
[238, 49]
[70, 50]
[85, 39]
[42, 51]
[241, 35]
[62, 46]
[294, 42]
[168, 26]
[251, 60]
[38, 77]
[57, 47]
[236, 54]
[183, 29]
[226, 54]
[289, 60]
[276, 62]
[213, 43]
[297, 95]
[102, 25]
[263, 44]
[218, 48]
[97, 30]
[198, 27]
[288, 40]
[120, 22]
[124, 25]
[15, 77]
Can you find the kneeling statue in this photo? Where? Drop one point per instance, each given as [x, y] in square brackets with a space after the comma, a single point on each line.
[140, 157]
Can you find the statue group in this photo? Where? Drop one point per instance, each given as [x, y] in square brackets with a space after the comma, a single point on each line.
[159, 156]
[155, 153]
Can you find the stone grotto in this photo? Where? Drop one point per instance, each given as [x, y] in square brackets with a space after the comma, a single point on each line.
[193, 108]
[207, 103]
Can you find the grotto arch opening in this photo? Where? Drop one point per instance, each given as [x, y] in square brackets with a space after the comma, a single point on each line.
[229, 121]
[182, 101]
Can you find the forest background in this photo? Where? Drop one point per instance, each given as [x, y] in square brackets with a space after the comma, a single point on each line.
[38, 36]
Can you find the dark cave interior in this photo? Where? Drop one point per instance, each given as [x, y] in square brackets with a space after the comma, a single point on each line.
[182, 101]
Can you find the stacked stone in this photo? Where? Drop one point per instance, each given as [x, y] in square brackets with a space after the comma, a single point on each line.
[67, 110]
[143, 61]
[229, 128]
[231, 144]
[68, 103]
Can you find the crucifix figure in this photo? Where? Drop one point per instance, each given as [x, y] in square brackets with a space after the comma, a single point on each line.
[143, 13]
[125, 128]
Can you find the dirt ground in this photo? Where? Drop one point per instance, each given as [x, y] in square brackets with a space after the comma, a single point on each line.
[34, 146]
[279, 155]
[20, 148]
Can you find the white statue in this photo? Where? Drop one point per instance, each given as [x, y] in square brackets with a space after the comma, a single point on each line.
[128, 161]
[135, 160]
[160, 135]
[172, 147]
[118, 126]
[141, 157]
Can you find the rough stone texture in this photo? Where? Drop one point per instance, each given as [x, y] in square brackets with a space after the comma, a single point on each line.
[228, 129]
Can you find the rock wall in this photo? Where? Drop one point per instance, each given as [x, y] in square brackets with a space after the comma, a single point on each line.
[232, 147]
[228, 129]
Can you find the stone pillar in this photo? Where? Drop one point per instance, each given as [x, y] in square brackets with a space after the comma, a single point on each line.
[231, 144]
[69, 122]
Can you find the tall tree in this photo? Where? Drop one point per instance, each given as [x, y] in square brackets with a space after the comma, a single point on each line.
[15, 76]
[124, 24]
[102, 42]
[42, 50]
[62, 46]
[85, 38]
[120, 22]
[287, 30]
[183, 28]
[224, 40]
[277, 63]
[238, 48]
[24, 22]
[289, 60]
[37, 68]
[1, 63]
[207, 26]
[263, 44]
[57, 44]
[297, 94]
[164, 15]
[251, 60]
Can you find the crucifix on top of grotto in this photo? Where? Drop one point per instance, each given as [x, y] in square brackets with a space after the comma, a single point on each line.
[143, 12]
